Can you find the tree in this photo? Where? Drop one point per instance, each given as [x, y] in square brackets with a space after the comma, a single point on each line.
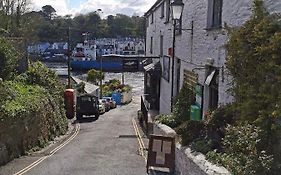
[254, 62]
[8, 59]
[48, 11]
[94, 76]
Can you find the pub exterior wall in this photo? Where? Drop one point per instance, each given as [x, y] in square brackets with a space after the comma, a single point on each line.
[193, 50]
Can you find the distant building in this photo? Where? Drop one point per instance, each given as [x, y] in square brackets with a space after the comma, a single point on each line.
[122, 46]
[38, 48]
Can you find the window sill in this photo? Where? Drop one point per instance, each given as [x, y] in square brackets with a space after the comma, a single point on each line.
[166, 22]
[213, 28]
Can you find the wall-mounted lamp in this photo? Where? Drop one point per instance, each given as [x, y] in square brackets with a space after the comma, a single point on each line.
[177, 9]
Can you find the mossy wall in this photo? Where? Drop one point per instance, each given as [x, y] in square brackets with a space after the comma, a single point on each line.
[30, 116]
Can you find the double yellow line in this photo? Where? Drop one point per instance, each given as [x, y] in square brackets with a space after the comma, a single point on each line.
[139, 138]
[37, 162]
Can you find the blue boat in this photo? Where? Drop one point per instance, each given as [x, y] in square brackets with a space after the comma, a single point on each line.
[110, 66]
[85, 57]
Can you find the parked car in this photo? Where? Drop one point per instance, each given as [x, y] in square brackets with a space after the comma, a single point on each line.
[87, 104]
[106, 104]
[110, 101]
[101, 108]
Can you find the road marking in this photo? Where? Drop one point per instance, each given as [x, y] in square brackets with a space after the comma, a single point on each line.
[37, 162]
[139, 138]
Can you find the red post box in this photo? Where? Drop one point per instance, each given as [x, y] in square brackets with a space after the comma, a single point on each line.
[70, 103]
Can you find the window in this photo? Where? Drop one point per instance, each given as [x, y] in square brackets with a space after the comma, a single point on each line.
[152, 18]
[151, 45]
[162, 10]
[161, 45]
[166, 68]
[178, 26]
[168, 10]
[214, 18]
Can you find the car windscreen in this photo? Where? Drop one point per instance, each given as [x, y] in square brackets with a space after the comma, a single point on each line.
[86, 99]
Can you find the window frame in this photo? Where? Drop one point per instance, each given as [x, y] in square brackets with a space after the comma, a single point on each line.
[178, 26]
[168, 11]
[152, 18]
[161, 45]
[162, 15]
[151, 45]
[214, 14]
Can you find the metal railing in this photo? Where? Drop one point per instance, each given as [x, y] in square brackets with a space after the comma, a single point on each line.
[144, 109]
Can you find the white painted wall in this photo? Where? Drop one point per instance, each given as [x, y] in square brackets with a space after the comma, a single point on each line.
[205, 43]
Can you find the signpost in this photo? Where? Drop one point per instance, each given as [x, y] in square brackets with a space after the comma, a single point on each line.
[161, 152]
[130, 65]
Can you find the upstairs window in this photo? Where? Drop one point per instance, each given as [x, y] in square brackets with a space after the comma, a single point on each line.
[168, 10]
[178, 26]
[214, 18]
[162, 10]
[152, 18]
[151, 45]
[161, 45]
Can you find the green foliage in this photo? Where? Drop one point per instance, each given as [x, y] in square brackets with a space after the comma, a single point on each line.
[80, 87]
[190, 131]
[202, 145]
[31, 110]
[254, 62]
[114, 85]
[242, 154]
[94, 76]
[168, 120]
[8, 59]
[184, 100]
[216, 123]
[39, 74]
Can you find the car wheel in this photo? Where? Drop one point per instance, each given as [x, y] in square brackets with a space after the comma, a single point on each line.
[97, 116]
[79, 116]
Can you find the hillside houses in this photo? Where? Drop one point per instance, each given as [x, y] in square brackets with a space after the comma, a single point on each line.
[42, 47]
[122, 46]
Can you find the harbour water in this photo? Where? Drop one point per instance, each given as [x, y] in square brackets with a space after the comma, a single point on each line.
[134, 79]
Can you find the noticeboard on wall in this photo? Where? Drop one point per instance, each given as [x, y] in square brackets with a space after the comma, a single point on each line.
[199, 95]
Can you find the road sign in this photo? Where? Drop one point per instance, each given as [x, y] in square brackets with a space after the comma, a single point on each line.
[130, 64]
[161, 152]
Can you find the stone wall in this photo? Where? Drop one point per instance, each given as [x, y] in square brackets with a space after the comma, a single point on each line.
[188, 162]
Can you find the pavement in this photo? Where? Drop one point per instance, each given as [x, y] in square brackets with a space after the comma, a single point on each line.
[107, 146]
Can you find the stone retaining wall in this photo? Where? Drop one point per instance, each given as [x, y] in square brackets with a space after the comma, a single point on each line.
[187, 161]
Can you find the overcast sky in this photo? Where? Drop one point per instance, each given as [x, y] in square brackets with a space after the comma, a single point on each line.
[109, 7]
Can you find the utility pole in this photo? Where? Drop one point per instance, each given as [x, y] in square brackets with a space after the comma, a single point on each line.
[123, 78]
[101, 77]
[173, 64]
[68, 57]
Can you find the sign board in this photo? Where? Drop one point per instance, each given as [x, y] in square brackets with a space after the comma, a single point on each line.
[161, 152]
[130, 64]
[199, 95]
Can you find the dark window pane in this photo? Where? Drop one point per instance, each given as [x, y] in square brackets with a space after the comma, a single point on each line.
[217, 13]
[168, 10]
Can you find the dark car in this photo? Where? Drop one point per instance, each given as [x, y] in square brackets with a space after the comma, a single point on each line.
[87, 104]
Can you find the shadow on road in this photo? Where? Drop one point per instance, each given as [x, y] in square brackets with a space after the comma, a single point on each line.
[87, 120]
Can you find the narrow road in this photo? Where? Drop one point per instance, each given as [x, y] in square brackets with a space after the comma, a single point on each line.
[107, 146]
